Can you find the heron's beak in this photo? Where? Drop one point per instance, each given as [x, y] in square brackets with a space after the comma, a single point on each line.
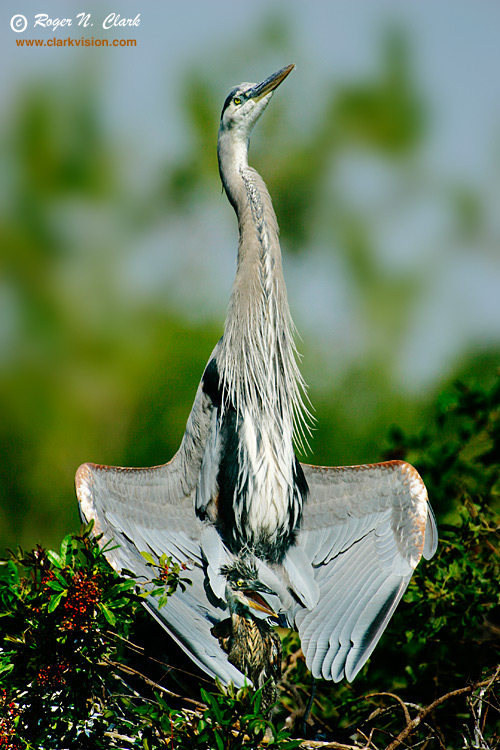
[261, 89]
[257, 602]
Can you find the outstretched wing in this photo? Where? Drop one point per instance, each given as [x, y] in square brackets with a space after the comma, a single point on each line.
[364, 530]
[152, 510]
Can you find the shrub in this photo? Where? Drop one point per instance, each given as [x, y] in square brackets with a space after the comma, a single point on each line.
[66, 619]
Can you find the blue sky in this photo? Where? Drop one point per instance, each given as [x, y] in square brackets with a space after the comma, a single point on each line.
[456, 47]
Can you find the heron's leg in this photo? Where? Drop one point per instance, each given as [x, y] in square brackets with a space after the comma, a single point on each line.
[309, 706]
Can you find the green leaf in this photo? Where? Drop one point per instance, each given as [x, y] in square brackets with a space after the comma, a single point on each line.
[118, 588]
[214, 705]
[55, 559]
[107, 613]
[60, 578]
[257, 700]
[163, 600]
[65, 545]
[56, 586]
[55, 600]
[219, 740]
[149, 558]
[14, 639]
[10, 571]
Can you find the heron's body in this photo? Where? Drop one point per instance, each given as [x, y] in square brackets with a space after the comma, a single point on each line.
[337, 545]
[254, 648]
[250, 642]
[252, 487]
[256, 488]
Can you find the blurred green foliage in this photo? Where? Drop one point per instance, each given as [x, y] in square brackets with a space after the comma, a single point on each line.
[83, 372]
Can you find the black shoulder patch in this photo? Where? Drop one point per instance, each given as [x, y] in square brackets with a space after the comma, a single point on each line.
[230, 493]
[300, 480]
[210, 383]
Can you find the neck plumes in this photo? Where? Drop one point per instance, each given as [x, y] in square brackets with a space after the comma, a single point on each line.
[257, 360]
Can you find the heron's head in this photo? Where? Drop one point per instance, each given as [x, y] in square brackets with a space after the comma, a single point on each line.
[246, 102]
[244, 589]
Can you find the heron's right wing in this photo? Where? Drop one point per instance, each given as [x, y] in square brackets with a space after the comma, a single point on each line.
[152, 510]
[148, 504]
[130, 508]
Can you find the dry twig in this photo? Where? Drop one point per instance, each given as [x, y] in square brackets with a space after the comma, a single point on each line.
[129, 670]
[396, 698]
[414, 723]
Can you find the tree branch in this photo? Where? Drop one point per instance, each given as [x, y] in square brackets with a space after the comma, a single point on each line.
[128, 670]
[432, 706]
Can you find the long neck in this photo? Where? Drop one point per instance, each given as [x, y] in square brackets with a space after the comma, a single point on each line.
[257, 358]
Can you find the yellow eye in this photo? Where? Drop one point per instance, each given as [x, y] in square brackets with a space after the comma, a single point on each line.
[237, 100]
[240, 583]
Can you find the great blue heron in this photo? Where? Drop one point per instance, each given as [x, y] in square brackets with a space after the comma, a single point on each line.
[337, 545]
[250, 642]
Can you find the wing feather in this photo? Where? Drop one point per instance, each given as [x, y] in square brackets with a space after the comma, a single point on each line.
[339, 593]
[364, 530]
[367, 585]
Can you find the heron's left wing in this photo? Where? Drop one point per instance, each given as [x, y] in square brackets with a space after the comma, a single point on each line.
[364, 531]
